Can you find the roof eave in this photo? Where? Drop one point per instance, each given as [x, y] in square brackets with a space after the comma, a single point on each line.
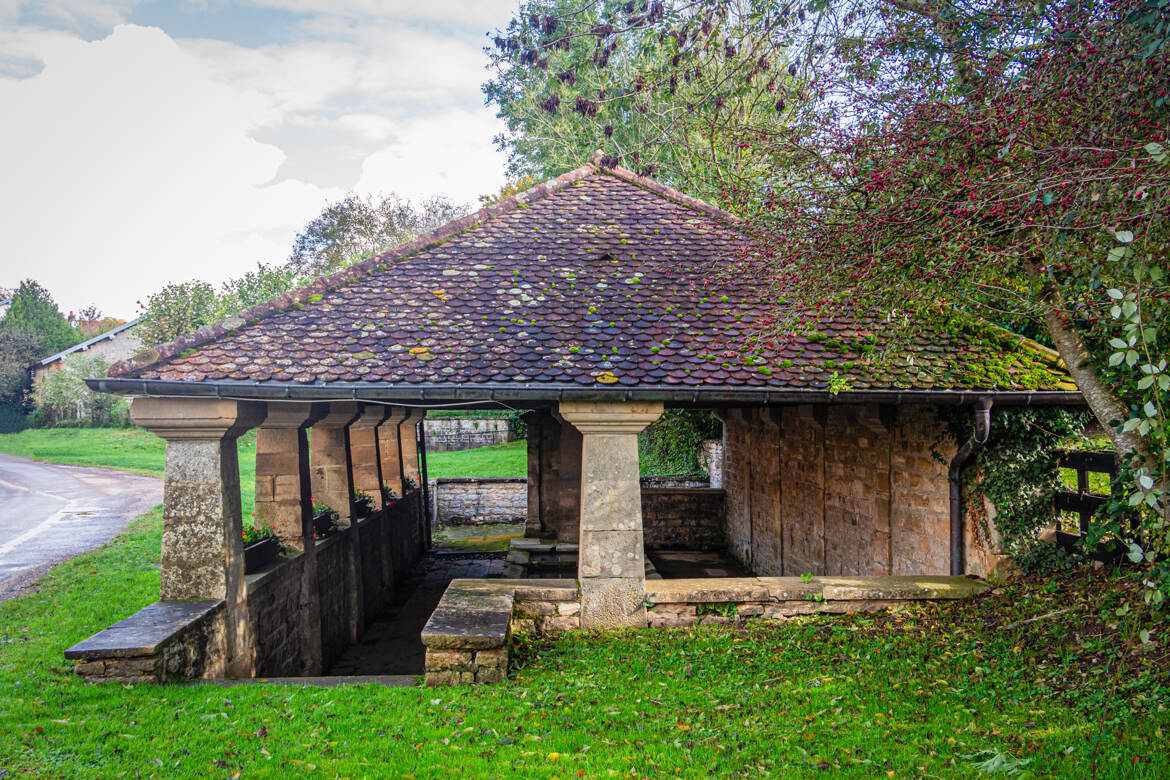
[504, 393]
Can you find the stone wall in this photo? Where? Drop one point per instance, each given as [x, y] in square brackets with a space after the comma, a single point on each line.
[447, 434]
[683, 518]
[302, 611]
[478, 501]
[841, 490]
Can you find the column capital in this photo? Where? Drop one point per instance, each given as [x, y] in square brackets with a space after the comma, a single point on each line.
[395, 415]
[196, 419]
[293, 415]
[339, 415]
[609, 416]
[371, 416]
[414, 416]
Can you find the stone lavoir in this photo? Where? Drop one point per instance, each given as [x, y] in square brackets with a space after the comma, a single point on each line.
[592, 301]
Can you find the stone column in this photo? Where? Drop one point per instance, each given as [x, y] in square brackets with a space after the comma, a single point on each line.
[202, 553]
[535, 422]
[611, 567]
[283, 501]
[283, 486]
[565, 500]
[388, 448]
[333, 484]
[329, 457]
[365, 462]
[408, 436]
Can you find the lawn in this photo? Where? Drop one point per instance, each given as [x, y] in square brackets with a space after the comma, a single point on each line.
[500, 460]
[932, 691]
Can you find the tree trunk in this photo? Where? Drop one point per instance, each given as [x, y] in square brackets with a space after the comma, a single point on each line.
[1103, 401]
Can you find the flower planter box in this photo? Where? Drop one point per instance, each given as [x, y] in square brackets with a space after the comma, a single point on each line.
[362, 511]
[323, 526]
[259, 554]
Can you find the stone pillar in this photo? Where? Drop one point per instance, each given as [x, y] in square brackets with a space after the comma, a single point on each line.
[535, 421]
[564, 500]
[283, 501]
[202, 553]
[333, 484]
[611, 566]
[365, 462]
[388, 448]
[283, 484]
[329, 457]
[408, 437]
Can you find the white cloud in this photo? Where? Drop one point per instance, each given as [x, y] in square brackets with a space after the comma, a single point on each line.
[449, 153]
[138, 159]
[130, 167]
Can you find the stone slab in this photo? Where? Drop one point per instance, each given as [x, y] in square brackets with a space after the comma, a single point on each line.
[776, 589]
[900, 587]
[473, 614]
[145, 631]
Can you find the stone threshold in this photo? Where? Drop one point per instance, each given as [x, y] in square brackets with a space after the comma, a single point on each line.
[331, 681]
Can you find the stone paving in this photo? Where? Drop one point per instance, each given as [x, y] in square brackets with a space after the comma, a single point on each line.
[393, 644]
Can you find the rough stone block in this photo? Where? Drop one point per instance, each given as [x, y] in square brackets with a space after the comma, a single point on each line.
[560, 623]
[442, 678]
[488, 675]
[568, 608]
[497, 657]
[448, 659]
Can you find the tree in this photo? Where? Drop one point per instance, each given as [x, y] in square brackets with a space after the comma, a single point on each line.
[33, 311]
[267, 281]
[19, 350]
[358, 227]
[176, 310]
[1001, 157]
[63, 398]
[571, 78]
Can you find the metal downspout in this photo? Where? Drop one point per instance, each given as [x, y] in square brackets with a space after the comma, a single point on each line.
[958, 463]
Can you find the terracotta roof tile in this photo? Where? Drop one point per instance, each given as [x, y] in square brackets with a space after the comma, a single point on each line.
[604, 279]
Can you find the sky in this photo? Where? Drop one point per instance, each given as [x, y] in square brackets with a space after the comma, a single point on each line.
[152, 141]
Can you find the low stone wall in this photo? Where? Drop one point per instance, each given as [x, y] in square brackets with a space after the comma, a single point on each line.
[469, 635]
[478, 501]
[683, 518]
[677, 603]
[447, 434]
[167, 640]
[302, 611]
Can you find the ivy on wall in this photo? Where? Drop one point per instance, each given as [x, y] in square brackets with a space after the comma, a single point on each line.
[1016, 471]
[672, 444]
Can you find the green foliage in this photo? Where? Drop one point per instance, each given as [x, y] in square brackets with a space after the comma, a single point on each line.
[252, 534]
[176, 310]
[63, 399]
[1042, 558]
[355, 228]
[254, 287]
[33, 311]
[1016, 471]
[19, 350]
[12, 419]
[672, 444]
[565, 91]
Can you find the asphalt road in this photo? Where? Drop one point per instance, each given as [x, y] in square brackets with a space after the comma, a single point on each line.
[50, 512]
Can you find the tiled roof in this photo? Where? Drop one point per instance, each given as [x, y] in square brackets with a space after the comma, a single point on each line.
[598, 278]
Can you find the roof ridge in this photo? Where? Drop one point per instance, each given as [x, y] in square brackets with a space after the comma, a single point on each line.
[670, 193]
[321, 285]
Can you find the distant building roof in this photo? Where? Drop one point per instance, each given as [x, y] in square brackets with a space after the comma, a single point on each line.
[599, 281]
[83, 346]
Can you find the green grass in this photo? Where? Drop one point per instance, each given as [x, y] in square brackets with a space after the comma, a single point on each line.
[500, 460]
[930, 691]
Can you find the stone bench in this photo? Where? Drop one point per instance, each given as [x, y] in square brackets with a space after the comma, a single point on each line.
[468, 636]
[164, 641]
[684, 602]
